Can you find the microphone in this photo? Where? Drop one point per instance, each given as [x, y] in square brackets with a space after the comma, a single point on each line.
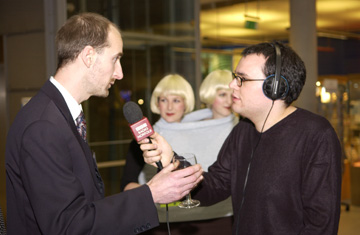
[139, 125]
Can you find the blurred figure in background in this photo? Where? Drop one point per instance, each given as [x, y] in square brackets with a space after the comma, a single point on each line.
[172, 97]
[201, 132]
[205, 138]
[215, 94]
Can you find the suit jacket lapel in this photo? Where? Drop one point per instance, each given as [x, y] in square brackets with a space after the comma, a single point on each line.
[50, 90]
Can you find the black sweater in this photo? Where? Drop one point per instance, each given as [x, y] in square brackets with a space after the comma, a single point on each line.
[294, 181]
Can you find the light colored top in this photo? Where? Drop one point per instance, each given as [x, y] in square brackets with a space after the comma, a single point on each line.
[204, 138]
[197, 135]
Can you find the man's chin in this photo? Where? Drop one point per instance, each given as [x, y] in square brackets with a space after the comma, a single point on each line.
[236, 108]
[103, 94]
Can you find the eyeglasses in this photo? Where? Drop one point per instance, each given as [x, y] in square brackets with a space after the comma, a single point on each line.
[240, 80]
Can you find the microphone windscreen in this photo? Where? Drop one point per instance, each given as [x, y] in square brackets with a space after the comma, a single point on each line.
[139, 125]
[132, 112]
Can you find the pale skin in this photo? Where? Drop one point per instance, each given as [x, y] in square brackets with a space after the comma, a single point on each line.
[168, 185]
[93, 73]
[221, 106]
[172, 107]
[249, 101]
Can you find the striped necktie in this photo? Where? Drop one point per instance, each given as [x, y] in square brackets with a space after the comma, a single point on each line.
[81, 125]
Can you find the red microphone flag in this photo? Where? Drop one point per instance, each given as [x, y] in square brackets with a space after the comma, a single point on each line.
[141, 129]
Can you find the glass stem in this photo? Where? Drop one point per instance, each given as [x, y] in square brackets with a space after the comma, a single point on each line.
[188, 197]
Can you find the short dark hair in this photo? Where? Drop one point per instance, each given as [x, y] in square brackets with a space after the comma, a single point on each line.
[80, 31]
[292, 66]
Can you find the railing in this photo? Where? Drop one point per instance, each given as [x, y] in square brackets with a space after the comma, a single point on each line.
[110, 163]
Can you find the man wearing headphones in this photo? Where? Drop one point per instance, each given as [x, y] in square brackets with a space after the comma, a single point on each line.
[281, 164]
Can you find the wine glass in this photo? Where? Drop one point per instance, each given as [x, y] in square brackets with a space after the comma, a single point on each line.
[186, 160]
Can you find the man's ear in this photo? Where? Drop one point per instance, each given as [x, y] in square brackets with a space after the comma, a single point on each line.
[88, 55]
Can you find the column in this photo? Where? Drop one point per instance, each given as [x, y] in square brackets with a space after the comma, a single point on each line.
[303, 40]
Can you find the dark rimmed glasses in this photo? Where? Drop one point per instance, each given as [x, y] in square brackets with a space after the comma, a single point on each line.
[240, 80]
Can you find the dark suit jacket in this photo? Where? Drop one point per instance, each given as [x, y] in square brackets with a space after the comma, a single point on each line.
[51, 182]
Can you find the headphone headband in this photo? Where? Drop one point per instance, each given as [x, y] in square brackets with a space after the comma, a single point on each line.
[277, 69]
[276, 86]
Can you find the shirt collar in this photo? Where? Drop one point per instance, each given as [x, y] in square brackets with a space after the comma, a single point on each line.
[72, 104]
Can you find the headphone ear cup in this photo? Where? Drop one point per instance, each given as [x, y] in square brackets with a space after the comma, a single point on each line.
[284, 87]
[269, 87]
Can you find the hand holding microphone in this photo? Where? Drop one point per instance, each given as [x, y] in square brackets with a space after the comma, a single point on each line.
[162, 150]
[139, 125]
[162, 185]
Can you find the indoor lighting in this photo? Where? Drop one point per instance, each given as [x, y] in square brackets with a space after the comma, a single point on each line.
[325, 96]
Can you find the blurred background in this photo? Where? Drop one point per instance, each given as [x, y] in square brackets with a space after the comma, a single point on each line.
[192, 38]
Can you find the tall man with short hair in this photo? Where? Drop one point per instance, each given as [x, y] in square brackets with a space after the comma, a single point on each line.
[52, 181]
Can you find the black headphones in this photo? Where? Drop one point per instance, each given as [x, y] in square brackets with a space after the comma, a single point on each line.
[276, 86]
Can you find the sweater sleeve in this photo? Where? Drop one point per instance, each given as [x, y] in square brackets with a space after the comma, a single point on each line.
[321, 185]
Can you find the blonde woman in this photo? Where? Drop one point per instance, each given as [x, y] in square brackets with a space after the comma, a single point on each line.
[215, 93]
[202, 132]
[217, 118]
[172, 98]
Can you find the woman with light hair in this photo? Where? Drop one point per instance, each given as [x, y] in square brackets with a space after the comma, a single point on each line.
[215, 93]
[172, 98]
[201, 132]
[216, 84]
[172, 86]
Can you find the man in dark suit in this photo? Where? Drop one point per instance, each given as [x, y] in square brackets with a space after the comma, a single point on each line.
[53, 185]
